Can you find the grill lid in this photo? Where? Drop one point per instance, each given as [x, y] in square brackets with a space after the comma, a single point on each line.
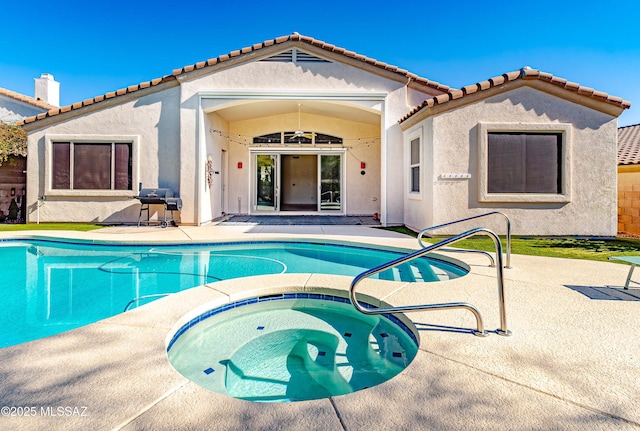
[155, 196]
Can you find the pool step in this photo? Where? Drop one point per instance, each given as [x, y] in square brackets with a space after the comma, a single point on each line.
[416, 271]
[388, 349]
[280, 365]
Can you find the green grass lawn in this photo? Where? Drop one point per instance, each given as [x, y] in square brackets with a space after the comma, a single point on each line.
[82, 227]
[572, 248]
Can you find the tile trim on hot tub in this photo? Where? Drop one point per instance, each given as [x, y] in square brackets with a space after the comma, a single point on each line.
[276, 297]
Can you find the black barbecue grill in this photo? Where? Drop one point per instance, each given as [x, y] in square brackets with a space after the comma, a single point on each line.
[159, 196]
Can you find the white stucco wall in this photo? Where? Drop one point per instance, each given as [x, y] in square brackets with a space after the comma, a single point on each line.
[12, 110]
[592, 209]
[152, 119]
[328, 79]
[362, 191]
[172, 124]
[213, 202]
[418, 207]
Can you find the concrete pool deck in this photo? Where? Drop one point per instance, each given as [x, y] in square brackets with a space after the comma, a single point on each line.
[573, 361]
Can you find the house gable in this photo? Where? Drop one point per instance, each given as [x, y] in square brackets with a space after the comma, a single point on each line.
[15, 106]
[303, 49]
[542, 81]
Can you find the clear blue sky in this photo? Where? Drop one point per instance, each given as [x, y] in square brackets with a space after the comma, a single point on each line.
[95, 47]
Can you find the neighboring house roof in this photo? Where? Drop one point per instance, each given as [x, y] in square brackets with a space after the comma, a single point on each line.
[629, 145]
[294, 37]
[26, 99]
[525, 73]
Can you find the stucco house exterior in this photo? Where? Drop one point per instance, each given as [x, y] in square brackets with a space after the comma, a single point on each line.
[295, 125]
[15, 107]
[629, 179]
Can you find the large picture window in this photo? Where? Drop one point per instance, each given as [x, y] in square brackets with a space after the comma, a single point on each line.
[524, 162]
[91, 166]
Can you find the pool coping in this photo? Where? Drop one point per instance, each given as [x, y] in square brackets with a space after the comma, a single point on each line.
[546, 375]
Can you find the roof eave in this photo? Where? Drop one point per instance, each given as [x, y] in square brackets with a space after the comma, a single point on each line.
[317, 47]
[542, 81]
[18, 97]
[111, 98]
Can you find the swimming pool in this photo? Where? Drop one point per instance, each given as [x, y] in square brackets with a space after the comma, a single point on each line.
[51, 286]
[291, 347]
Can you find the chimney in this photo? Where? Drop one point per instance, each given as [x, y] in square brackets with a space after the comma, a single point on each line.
[47, 89]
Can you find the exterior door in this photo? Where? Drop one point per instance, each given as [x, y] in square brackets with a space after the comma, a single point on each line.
[266, 198]
[330, 196]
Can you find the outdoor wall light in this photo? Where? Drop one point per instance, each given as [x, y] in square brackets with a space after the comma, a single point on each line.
[13, 191]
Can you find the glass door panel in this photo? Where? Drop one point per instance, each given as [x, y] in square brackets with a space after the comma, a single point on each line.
[330, 182]
[266, 188]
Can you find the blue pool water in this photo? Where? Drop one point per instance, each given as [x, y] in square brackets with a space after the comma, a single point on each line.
[50, 287]
[291, 347]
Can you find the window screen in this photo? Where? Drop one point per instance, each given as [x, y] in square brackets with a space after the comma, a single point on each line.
[123, 167]
[91, 166]
[61, 177]
[415, 165]
[524, 163]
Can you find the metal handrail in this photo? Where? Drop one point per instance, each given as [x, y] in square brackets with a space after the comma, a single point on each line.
[421, 233]
[419, 253]
[155, 295]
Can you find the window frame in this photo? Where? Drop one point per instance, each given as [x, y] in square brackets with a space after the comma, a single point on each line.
[484, 129]
[414, 194]
[133, 140]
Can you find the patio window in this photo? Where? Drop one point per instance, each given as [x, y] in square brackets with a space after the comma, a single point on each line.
[414, 165]
[524, 162]
[296, 137]
[91, 166]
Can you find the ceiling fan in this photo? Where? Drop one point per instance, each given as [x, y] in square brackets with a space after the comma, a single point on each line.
[299, 133]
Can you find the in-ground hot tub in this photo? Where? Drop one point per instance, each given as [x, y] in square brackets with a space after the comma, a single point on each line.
[291, 347]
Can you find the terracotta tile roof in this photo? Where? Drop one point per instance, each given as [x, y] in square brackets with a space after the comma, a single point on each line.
[294, 37]
[132, 88]
[629, 145]
[26, 99]
[525, 74]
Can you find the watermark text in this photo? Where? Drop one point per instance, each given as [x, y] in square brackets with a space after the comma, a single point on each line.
[49, 411]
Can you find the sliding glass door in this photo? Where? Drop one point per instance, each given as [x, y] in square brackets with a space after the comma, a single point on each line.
[330, 182]
[266, 197]
[297, 182]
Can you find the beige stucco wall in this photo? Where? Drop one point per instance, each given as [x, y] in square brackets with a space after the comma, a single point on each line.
[454, 136]
[172, 129]
[361, 191]
[629, 199]
[151, 118]
[12, 110]
[215, 202]
[328, 79]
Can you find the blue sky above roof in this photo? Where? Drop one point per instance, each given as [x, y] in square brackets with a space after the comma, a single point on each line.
[92, 48]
